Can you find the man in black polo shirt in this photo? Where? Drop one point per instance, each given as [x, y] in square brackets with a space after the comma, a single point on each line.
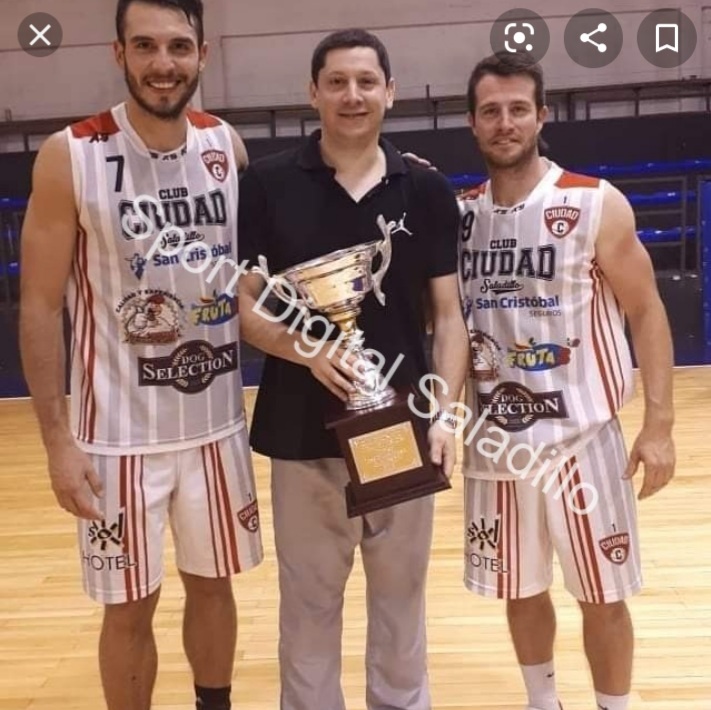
[296, 206]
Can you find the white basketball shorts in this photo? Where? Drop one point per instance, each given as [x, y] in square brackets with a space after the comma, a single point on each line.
[207, 493]
[587, 515]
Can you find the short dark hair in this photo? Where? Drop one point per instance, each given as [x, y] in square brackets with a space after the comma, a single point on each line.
[193, 10]
[507, 64]
[347, 39]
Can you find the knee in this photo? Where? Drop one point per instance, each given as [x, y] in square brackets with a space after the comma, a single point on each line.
[131, 618]
[614, 613]
[207, 588]
[529, 606]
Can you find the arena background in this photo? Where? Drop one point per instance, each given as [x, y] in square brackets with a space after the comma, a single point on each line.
[645, 128]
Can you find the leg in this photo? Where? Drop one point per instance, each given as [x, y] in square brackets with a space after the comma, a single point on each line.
[396, 549]
[122, 567]
[609, 642]
[596, 538]
[508, 555]
[209, 629]
[315, 544]
[532, 625]
[215, 520]
[127, 654]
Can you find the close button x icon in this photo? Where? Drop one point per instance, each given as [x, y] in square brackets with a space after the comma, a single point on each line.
[40, 34]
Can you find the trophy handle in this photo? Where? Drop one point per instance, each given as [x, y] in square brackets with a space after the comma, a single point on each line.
[385, 249]
[277, 284]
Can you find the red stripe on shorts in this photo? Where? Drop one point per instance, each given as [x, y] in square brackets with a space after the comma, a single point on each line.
[585, 521]
[591, 594]
[123, 507]
[145, 527]
[566, 514]
[220, 509]
[209, 509]
[499, 551]
[518, 543]
[134, 530]
[230, 517]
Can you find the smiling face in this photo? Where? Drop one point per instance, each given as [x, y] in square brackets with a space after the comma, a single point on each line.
[160, 58]
[506, 122]
[351, 94]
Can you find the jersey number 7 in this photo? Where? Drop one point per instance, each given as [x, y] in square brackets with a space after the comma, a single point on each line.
[120, 162]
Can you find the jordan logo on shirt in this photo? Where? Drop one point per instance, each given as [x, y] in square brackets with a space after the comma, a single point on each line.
[396, 227]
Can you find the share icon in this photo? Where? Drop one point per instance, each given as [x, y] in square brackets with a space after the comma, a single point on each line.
[587, 37]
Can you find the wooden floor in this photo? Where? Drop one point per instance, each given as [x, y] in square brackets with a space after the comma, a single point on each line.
[49, 630]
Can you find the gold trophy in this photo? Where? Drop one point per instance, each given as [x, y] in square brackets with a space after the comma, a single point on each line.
[383, 441]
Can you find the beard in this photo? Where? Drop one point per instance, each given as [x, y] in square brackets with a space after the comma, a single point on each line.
[524, 156]
[164, 110]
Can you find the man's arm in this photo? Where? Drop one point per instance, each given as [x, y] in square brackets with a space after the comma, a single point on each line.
[450, 344]
[628, 269]
[48, 243]
[240, 150]
[258, 326]
[450, 353]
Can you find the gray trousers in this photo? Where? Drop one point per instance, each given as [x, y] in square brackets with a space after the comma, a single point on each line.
[315, 545]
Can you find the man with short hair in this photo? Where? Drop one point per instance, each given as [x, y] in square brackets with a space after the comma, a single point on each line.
[157, 426]
[550, 265]
[324, 196]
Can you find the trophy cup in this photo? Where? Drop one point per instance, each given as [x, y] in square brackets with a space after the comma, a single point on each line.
[383, 441]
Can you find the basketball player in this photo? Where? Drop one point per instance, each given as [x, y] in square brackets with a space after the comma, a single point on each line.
[326, 195]
[157, 425]
[550, 264]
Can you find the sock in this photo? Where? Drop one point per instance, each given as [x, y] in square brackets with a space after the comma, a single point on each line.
[213, 698]
[540, 686]
[612, 702]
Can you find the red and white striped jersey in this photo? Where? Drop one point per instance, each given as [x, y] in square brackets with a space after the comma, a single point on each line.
[155, 347]
[549, 356]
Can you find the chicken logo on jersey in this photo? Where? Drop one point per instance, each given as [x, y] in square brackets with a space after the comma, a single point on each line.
[151, 317]
[217, 164]
[561, 221]
[486, 357]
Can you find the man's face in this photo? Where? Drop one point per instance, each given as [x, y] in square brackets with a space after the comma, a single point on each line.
[351, 94]
[161, 59]
[506, 122]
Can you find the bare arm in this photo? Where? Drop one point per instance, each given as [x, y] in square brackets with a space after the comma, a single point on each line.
[450, 353]
[450, 345]
[628, 269]
[240, 150]
[48, 243]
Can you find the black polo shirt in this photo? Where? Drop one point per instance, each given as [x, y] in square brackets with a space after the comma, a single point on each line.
[291, 210]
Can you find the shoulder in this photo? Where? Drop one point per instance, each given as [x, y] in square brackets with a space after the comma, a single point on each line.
[102, 124]
[200, 119]
[240, 150]
[53, 157]
[472, 194]
[616, 208]
[427, 178]
[570, 181]
[275, 165]
[430, 186]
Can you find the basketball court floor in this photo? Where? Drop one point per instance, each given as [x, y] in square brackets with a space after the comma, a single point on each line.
[49, 630]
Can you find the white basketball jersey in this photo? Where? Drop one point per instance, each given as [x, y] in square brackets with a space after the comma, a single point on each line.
[155, 348]
[549, 356]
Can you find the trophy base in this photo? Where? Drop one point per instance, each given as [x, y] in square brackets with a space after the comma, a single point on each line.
[355, 507]
[387, 456]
